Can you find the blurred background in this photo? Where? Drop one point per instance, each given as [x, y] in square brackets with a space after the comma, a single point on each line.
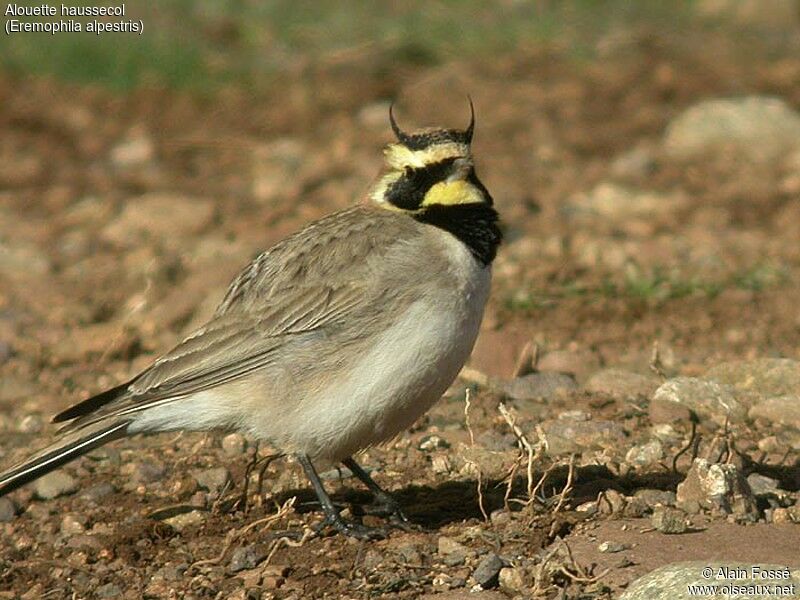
[644, 157]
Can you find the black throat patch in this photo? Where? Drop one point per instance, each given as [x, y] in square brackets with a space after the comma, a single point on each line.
[475, 225]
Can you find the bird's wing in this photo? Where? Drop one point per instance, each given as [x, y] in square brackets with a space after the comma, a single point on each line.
[312, 281]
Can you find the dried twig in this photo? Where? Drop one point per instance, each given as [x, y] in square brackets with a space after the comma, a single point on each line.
[527, 360]
[525, 445]
[467, 405]
[567, 486]
[655, 362]
[283, 511]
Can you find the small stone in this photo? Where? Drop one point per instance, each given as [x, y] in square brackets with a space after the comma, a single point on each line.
[234, 444]
[31, 424]
[96, 492]
[646, 455]
[669, 520]
[654, 498]
[709, 399]
[452, 551]
[769, 444]
[247, 557]
[539, 386]
[782, 410]
[589, 508]
[488, 571]
[213, 480]
[612, 547]
[53, 485]
[8, 510]
[143, 472]
[611, 502]
[432, 442]
[781, 516]
[440, 464]
[490, 464]
[185, 519]
[73, 524]
[566, 436]
[135, 149]
[108, 590]
[511, 579]
[761, 485]
[622, 385]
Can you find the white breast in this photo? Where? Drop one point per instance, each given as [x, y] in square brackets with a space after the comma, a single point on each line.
[408, 368]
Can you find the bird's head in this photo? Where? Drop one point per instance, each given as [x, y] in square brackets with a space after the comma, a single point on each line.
[430, 167]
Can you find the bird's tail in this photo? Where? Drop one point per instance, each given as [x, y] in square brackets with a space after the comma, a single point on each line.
[72, 444]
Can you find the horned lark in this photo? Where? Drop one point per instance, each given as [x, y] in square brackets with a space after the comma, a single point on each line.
[337, 338]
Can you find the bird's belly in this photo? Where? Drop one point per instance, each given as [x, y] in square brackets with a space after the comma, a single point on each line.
[391, 385]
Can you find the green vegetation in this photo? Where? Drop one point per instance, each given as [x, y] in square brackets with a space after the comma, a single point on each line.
[655, 287]
[208, 42]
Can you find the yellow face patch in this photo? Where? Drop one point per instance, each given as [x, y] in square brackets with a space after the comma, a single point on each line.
[449, 193]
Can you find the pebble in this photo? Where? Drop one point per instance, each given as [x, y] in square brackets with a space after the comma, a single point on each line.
[234, 444]
[8, 510]
[566, 436]
[611, 547]
[213, 480]
[108, 590]
[654, 498]
[645, 455]
[511, 579]
[186, 519]
[487, 572]
[578, 363]
[432, 442]
[452, 552]
[143, 472]
[98, 491]
[716, 401]
[54, 484]
[621, 385]
[669, 520]
[247, 557]
[612, 502]
[31, 424]
[73, 524]
[539, 386]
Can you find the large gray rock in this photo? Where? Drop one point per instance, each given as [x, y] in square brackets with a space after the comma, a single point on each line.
[783, 410]
[756, 127]
[709, 399]
[671, 582]
[539, 386]
[622, 385]
[764, 376]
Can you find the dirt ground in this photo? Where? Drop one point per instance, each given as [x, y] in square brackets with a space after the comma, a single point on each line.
[123, 218]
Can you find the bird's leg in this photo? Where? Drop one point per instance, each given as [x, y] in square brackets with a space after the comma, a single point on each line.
[386, 503]
[332, 516]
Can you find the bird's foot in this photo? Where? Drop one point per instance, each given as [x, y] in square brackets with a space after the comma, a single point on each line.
[351, 529]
